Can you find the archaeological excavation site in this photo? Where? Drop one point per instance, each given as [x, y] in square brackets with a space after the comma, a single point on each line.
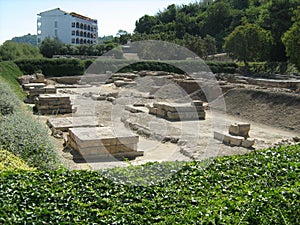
[108, 120]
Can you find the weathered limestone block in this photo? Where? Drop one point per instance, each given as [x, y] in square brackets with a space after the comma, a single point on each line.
[240, 129]
[235, 140]
[33, 85]
[249, 142]
[221, 137]
[65, 123]
[102, 142]
[53, 103]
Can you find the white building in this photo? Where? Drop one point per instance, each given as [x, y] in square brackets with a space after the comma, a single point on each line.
[70, 28]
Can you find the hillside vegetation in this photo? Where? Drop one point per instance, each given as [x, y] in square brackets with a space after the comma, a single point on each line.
[20, 133]
[259, 188]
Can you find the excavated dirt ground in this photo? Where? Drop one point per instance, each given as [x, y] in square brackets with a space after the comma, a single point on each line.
[273, 116]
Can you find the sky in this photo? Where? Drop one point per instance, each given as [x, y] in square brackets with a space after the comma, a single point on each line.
[18, 17]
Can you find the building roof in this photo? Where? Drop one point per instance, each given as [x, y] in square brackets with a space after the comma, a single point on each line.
[72, 14]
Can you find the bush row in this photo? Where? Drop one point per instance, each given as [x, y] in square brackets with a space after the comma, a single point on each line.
[175, 66]
[261, 187]
[52, 67]
[69, 67]
[268, 69]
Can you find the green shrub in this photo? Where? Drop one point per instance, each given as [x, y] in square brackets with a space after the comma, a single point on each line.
[25, 137]
[9, 161]
[9, 72]
[267, 69]
[175, 66]
[261, 187]
[52, 67]
[9, 103]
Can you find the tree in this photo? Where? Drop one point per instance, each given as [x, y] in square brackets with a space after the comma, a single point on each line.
[248, 43]
[291, 40]
[30, 39]
[145, 24]
[276, 16]
[50, 47]
[11, 51]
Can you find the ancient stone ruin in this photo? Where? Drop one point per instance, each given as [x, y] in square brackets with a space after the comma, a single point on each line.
[178, 111]
[95, 143]
[49, 104]
[34, 91]
[238, 135]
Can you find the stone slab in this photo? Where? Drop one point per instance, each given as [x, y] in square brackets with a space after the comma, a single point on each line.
[54, 97]
[99, 136]
[65, 123]
[33, 85]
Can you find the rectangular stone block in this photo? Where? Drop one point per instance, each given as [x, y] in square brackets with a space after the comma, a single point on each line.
[248, 143]
[234, 129]
[236, 140]
[244, 129]
[221, 137]
[152, 110]
[99, 136]
[65, 123]
[197, 103]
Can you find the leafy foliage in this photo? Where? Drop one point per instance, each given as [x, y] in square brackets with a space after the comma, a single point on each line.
[219, 19]
[9, 161]
[248, 43]
[175, 66]
[29, 39]
[50, 47]
[291, 40]
[27, 138]
[52, 67]
[9, 72]
[259, 188]
[10, 50]
[9, 103]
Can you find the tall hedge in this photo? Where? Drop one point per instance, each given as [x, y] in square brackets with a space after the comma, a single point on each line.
[52, 67]
[176, 66]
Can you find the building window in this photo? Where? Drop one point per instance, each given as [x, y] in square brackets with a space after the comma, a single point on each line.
[73, 40]
[55, 24]
[77, 25]
[73, 32]
[55, 32]
[73, 24]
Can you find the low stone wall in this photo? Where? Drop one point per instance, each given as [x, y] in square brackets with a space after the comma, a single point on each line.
[48, 104]
[178, 111]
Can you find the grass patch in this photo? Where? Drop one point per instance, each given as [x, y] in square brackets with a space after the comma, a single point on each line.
[259, 188]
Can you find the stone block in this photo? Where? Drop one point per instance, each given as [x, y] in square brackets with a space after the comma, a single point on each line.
[221, 137]
[152, 110]
[197, 103]
[247, 143]
[99, 142]
[234, 129]
[65, 123]
[244, 129]
[235, 140]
